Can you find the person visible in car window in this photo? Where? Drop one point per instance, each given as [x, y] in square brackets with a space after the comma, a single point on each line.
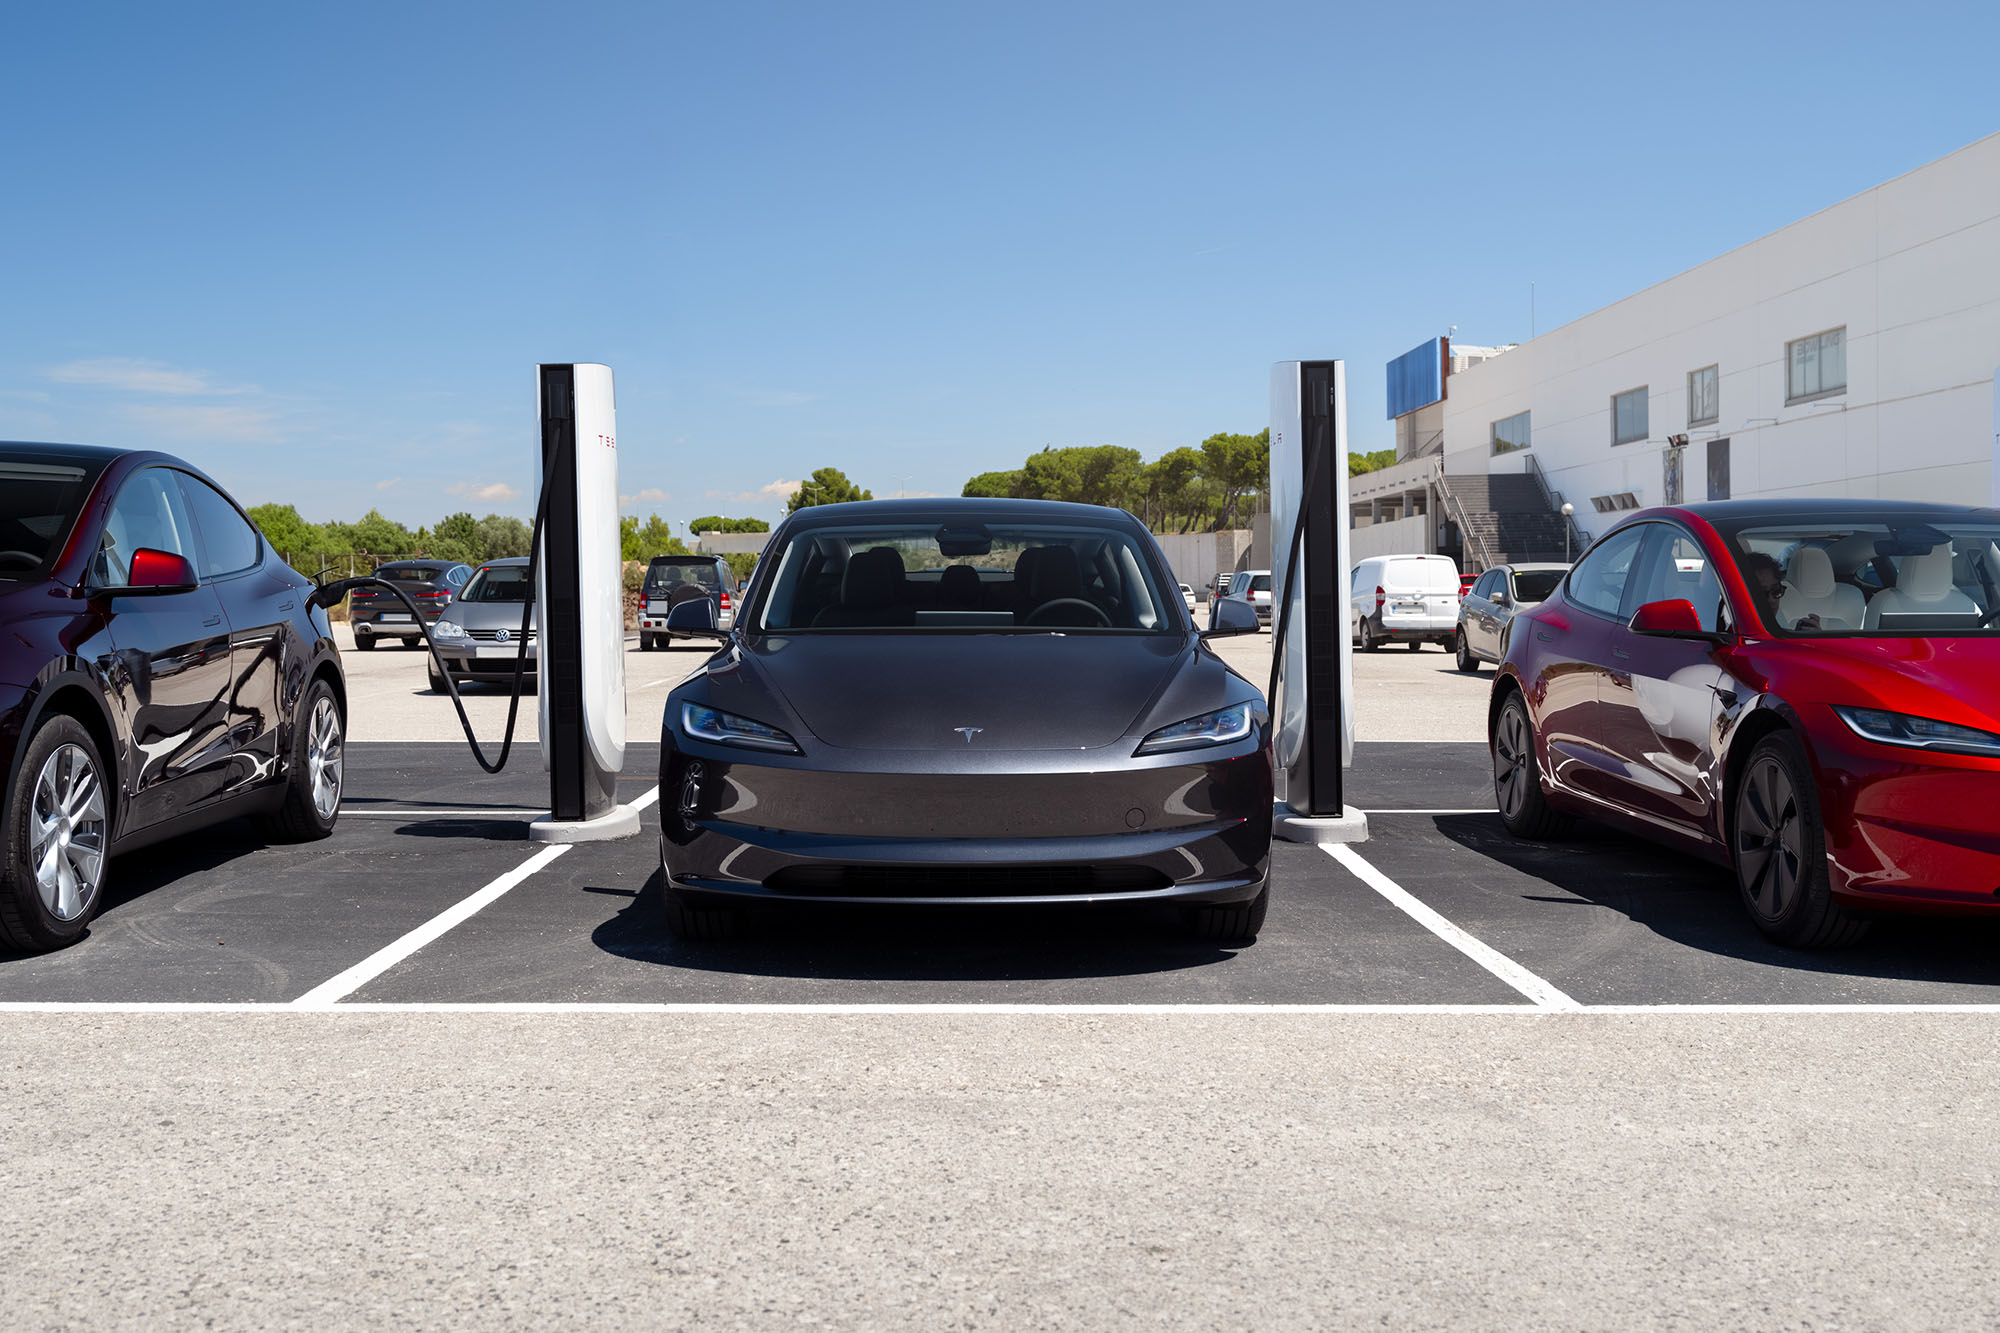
[1767, 585]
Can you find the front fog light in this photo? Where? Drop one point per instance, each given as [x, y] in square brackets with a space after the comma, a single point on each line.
[720, 728]
[1218, 728]
[1923, 733]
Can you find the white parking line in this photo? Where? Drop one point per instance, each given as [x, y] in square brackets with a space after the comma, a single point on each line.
[1545, 995]
[468, 812]
[329, 992]
[1468, 810]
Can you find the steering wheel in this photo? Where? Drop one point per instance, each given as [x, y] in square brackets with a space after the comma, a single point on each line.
[1035, 616]
[25, 559]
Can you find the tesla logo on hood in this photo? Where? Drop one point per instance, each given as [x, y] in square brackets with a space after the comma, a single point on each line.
[968, 732]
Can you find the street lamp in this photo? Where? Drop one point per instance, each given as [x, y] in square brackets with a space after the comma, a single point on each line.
[1568, 509]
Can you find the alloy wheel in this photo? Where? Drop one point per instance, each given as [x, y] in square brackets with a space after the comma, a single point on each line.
[323, 757]
[1512, 767]
[1769, 848]
[66, 832]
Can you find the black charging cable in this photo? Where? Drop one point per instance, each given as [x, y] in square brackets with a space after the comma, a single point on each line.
[329, 593]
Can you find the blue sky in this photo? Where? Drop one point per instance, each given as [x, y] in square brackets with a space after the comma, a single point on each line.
[318, 250]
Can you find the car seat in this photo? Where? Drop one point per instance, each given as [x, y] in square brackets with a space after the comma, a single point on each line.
[1923, 588]
[872, 593]
[1812, 590]
[958, 588]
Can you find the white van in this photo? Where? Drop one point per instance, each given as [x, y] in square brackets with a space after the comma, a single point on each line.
[1409, 599]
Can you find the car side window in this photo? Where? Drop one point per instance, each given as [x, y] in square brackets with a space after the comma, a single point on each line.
[148, 512]
[229, 544]
[1488, 581]
[1599, 579]
[1675, 568]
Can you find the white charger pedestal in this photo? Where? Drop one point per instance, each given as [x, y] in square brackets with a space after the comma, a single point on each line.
[1350, 825]
[622, 822]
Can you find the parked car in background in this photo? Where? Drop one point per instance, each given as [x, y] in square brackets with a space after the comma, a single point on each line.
[1408, 599]
[1252, 587]
[673, 579]
[1220, 588]
[162, 671]
[1496, 596]
[377, 613]
[1187, 597]
[481, 637]
[1465, 582]
[1805, 691]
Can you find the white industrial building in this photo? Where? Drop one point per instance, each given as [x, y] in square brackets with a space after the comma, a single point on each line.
[1853, 353]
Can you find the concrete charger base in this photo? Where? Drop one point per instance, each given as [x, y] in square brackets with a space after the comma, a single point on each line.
[1350, 825]
[622, 822]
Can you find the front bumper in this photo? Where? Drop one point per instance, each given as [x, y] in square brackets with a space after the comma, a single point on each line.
[482, 662]
[1907, 830]
[736, 826]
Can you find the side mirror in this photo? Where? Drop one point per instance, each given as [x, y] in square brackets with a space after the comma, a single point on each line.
[1499, 597]
[695, 618]
[1231, 615]
[1675, 618]
[156, 571]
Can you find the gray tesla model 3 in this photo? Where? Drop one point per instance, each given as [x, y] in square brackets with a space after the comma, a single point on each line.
[965, 702]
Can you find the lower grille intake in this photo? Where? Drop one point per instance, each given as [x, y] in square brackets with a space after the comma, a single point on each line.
[964, 881]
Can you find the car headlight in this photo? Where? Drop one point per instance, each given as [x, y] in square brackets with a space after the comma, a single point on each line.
[450, 630]
[1218, 728]
[1924, 733]
[714, 725]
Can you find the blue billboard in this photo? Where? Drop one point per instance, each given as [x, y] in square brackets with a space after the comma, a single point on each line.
[1416, 378]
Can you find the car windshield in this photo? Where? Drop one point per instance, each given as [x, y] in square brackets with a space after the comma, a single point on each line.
[1260, 583]
[1535, 585]
[1900, 579]
[497, 583]
[966, 576]
[38, 504]
[661, 578]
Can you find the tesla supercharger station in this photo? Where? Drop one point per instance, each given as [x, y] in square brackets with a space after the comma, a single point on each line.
[1312, 704]
[580, 609]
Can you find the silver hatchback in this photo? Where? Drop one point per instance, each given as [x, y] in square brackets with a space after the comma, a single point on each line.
[479, 638]
[1488, 606]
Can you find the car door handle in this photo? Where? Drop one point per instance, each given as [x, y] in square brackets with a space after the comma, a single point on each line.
[1545, 636]
[286, 606]
[211, 622]
[1621, 654]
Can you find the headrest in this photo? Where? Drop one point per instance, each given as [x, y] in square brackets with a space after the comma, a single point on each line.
[1812, 572]
[958, 586]
[874, 578]
[1926, 577]
[1057, 573]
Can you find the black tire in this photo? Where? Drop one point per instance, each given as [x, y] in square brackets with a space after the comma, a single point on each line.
[646, 642]
[60, 769]
[365, 642]
[314, 771]
[1369, 643]
[1777, 846]
[1231, 922]
[1416, 645]
[1466, 661]
[437, 677]
[699, 925]
[1517, 775]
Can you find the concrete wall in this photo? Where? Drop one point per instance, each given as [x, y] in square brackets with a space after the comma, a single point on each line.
[1403, 536]
[1196, 556]
[1911, 269]
[731, 543]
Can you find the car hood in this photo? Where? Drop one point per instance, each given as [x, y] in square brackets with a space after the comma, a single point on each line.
[1950, 679]
[915, 691]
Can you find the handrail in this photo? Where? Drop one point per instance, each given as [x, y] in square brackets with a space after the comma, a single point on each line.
[1553, 498]
[1455, 507]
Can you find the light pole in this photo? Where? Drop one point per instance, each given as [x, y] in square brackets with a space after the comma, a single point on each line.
[1568, 509]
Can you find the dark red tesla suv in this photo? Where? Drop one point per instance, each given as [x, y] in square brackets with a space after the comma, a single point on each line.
[160, 671]
[1806, 691]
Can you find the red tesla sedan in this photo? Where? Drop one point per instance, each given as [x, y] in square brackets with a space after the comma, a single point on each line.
[1806, 691]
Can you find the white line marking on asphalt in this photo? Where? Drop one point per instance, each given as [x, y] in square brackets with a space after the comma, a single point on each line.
[1023, 1010]
[460, 810]
[1469, 810]
[1545, 995]
[375, 964]
[328, 992]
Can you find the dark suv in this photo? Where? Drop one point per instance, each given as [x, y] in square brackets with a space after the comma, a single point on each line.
[673, 579]
[380, 614]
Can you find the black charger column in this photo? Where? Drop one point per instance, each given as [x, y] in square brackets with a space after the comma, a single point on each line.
[578, 788]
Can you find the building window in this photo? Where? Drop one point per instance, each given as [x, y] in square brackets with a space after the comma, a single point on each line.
[1511, 433]
[1701, 396]
[1612, 504]
[1628, 416]
[1816, 366]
